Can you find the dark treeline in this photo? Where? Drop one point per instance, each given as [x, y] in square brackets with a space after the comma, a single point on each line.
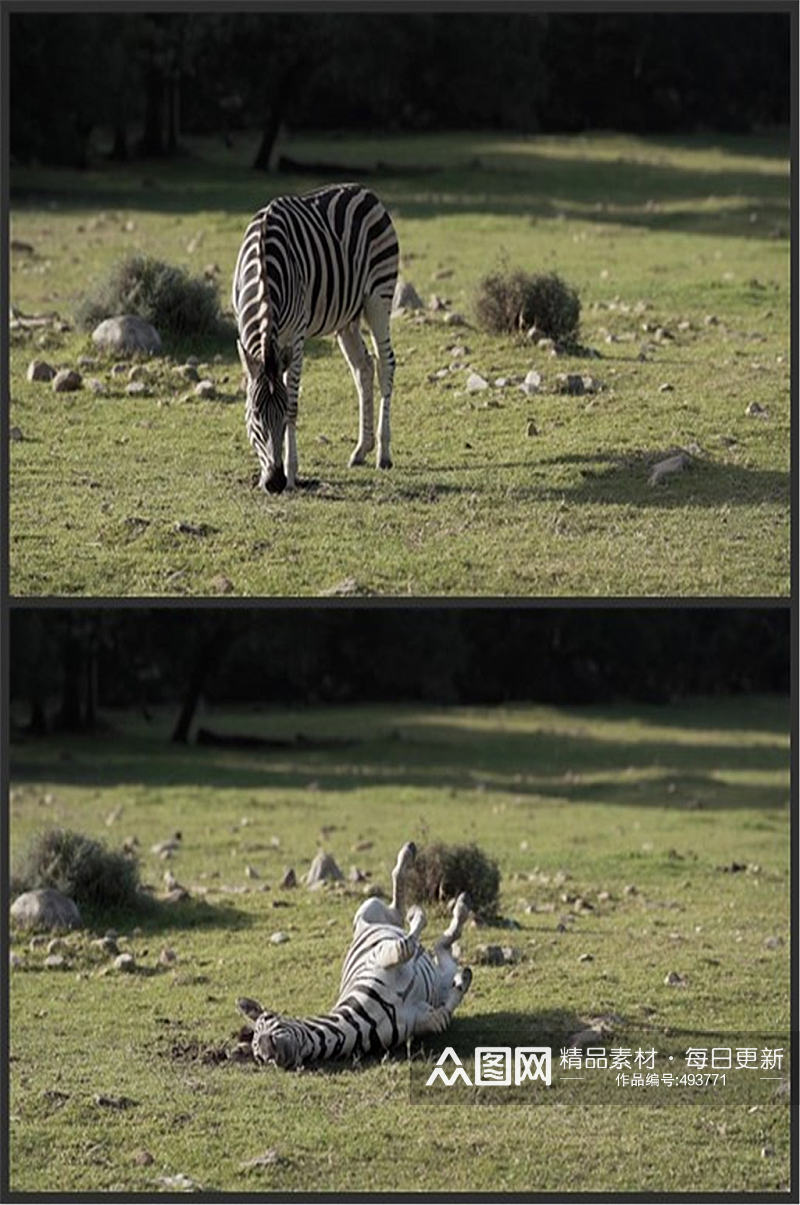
[68, 664]
[146, 78]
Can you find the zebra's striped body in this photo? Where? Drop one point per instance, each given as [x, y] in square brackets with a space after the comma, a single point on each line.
[313, 265]
[391, 988]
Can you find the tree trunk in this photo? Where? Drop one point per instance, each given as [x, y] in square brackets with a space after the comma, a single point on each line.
[70, 717]
[119, 151]
[37, 725]
[209, 648]
[173, 112]
[153, 136]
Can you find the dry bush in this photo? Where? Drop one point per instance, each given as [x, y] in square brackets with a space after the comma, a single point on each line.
[441, 872]
[176, 304]
[78, 866]
[507, 302]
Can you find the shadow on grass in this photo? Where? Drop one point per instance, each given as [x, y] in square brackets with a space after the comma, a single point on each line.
[153, 916]
[535, 765]
[629, 189]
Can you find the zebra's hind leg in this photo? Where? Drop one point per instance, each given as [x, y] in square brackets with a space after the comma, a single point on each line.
[461, 910]
[435, 1018]
[405, 860]
[376, 311]
[359, 360]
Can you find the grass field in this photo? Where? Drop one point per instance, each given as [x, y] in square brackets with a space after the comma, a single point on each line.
[688, 236]
[652, 805]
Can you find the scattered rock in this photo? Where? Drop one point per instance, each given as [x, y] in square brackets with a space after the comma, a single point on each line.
[455, 319]
[666, 387]
[114, 1102]
[15, 435]
[347, 588]
[268, 1159]
[630, 889]
[205, 389]
[773, 943]
[179, 1182]
[45, 908]
[14, 961]
[570, 382]
[279, 938]
[194, 529]
[665, 468]
[532, 382]
[189, 372]
[137, 389]
[586, 958]
[675, 979]
[475, 383]
[118, 369]
[756, 410]
[250, 872]
[176, 896]
[406, 297]
[67, 381]
[222, 585]
[496, 956]
[40, 370]
[171, 845]
[125, 963]
[127, 333]
[436, 303]
[142, 1158]
[323, 869]
[289, 879]
[55, 962]
[167, 957]
[354, 875]
[96, 385]
[106, 945]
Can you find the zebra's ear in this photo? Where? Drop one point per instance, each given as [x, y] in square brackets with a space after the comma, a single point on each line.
[249, 1008]
[249, 363]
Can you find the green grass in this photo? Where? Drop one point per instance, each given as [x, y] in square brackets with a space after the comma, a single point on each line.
[658, 798]
[656, 231]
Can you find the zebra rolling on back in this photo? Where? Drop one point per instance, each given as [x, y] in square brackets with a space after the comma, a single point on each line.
[391, 990]
[313, 265]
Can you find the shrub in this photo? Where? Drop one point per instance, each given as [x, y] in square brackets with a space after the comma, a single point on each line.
[442, 871]
[176, 304]
[507, 302]
[83, 869]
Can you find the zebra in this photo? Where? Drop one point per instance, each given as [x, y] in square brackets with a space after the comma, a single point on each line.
[313, 265]
[391, 990]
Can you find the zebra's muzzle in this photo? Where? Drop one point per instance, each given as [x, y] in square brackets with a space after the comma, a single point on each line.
[275, 480]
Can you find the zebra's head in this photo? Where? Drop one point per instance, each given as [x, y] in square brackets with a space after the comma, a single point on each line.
[276, 1039]
[265, 412]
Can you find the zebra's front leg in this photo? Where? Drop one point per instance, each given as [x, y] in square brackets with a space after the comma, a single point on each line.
[360, 363]
[377, 312]
[432, 1018]
[291, 380]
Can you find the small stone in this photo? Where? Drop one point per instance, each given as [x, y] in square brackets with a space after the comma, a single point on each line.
[189, 372]
[205, 389]
[14, 961]
[756, 410]
[406, 297]
[96, 385]
[118, 369]
[630, 889]
[323, 869]
[15, 435]
[489, 956]
[137, 389]
[711, 320]
[55, 962]
[354, 875]
[666, 387]
[773, 943]
[222, 585]
[176, 896]
[571, 383]
[674, 979]
[289, 878]
[532, 382]
[45, 908]
[586, 958]
[142, 1158]
[39, 370]
[476, 383]
[455, 319]
[106, 945]
[604, 896]
[279, 938]
[125, 963]
[67, 381]
[251, 872]
[167, 957]
[767, 1152]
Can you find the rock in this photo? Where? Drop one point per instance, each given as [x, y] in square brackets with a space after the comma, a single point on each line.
[14, 961]
[106, 945]
[289, 878]
[756, 410]
[171, 845]
[222, 585]
[55, 962]
[491, 956]
[664, 468]
[571, 383]
[125, 963]
[268, 1159]
[279, 938]
[176, 896]
[323, 869]
[15, 435]
[773, 943]
[142, 1158]
[406, 297]
[45, 908]
[167, 957]
[118, 369]
[40, 370]
[455, 319]
[67, 381]
[666, 387]
[250, 872]
[436, 303]
[630, 889]
[354, 875]
[96, 385]
[189, 372]
[475, 383]
[586, 958]
[137, 389]
[532, 382]
[126, 333]
[675, 979]
[205, 389]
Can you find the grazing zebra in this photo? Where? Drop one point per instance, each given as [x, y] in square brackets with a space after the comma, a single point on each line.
[313, 265]
[391, 990]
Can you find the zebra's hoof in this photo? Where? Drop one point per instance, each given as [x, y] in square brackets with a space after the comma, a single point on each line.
[385, 462]
[356, 459]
